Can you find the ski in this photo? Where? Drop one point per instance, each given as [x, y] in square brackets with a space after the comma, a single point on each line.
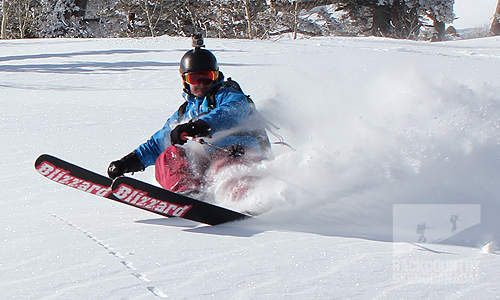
[147, 196]
[134, 193]
[74, 176]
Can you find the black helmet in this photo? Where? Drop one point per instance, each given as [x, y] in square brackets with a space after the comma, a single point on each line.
[198, 60]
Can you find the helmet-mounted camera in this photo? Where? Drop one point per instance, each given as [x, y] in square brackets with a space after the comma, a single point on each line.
[197, 40]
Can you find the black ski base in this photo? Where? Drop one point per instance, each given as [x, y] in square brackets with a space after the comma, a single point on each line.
[135, 193]
[159, 200]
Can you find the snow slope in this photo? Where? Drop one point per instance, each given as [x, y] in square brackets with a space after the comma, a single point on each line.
[388, 135]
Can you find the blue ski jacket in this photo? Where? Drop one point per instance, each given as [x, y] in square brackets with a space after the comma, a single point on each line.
[230, 121]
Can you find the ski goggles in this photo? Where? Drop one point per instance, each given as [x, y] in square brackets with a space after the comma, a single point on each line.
[195, 78]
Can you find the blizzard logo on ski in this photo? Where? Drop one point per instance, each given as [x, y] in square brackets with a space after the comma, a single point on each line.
[64, 177]
[140, 199]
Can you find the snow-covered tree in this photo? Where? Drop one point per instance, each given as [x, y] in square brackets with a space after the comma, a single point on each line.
[62, 18]
[399, 18]
[24, 14]
[19, 18]
[439, 12]
[224, 18]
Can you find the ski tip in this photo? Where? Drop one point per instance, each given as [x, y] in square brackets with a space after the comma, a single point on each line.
[39, 159]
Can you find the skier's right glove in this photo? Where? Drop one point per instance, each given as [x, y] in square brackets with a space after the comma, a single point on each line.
[127, 164]
[193, 129]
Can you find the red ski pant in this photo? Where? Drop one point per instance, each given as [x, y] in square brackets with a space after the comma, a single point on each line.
[174, 173]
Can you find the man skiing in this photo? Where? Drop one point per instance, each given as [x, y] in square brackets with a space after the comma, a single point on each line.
[214, 110]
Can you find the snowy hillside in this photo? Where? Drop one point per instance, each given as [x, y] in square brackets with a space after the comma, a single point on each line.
[389, 135]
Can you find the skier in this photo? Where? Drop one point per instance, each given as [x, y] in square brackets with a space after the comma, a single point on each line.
[215, 110]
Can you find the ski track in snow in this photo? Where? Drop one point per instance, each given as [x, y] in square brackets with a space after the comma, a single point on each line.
[116, 254]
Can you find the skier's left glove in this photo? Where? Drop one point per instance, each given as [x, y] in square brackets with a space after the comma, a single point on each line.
[194, 129]
[127, 164]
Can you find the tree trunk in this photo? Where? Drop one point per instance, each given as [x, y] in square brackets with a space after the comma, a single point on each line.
[381, 20]
[249, 20]
[22, 27]
[295, 19]
[440, 28]
[4, 20]
[495, 25]
[145, 7]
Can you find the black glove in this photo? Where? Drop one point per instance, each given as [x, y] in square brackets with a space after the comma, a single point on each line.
[129, 163]
[193, 129]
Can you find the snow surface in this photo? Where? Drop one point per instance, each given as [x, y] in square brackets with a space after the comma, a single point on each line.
[389, 134]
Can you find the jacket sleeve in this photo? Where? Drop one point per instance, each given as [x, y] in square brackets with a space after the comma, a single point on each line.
[149, 151]
[231, 108]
